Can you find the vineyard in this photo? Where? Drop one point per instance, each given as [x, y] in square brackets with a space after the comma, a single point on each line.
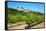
[30, 17]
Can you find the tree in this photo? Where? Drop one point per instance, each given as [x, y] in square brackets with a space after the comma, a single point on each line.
[22, 8]
[27, 9]
[17, 7]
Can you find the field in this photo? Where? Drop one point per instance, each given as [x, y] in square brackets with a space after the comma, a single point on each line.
[28, 16]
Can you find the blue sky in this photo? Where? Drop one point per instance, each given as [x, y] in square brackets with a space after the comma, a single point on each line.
[32, 6]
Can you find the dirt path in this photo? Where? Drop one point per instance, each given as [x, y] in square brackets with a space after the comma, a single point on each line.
[18, 27]
[41, 25]
[22, 26]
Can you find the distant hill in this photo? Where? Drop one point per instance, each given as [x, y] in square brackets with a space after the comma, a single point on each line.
[23, 11]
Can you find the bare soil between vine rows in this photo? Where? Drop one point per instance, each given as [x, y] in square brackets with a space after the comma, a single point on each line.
[22, 26]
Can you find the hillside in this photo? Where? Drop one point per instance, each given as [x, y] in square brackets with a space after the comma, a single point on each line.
[30, 18]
